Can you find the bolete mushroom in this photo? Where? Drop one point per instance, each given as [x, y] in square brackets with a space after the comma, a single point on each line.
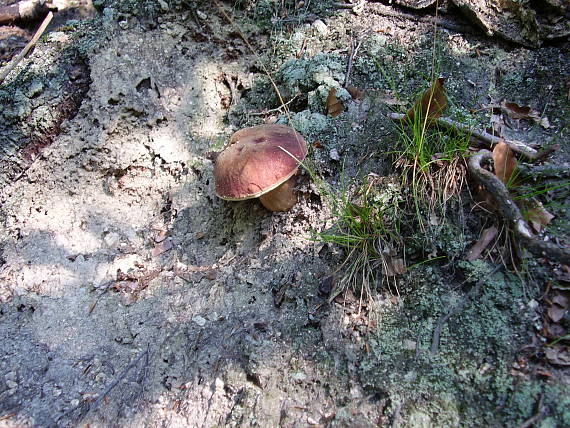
[260, 162]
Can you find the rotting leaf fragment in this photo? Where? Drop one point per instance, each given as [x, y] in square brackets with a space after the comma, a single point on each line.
[432, 103]
[334, 105]
[514, 111]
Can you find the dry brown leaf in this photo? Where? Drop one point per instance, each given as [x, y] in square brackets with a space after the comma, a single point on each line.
[334, 105]
[537, 215]
[432, 102]
[514, 111]
[477, 249]
[355, 93]
[558, 355]
[556, 313]
[162, 247]
[504, 162]
[394, 266]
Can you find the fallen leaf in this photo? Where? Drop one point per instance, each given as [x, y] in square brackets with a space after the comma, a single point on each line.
[432, 103]
[355, 93]
[504, 162]
[558, 355]
[477, 249]
[162, 247]
[556, 313]
[537, 215]
[199, 235]
[514, 111]
[391, 100]
[334, 105]
[394, 266]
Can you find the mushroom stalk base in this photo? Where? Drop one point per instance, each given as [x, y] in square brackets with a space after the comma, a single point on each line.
[282, 198]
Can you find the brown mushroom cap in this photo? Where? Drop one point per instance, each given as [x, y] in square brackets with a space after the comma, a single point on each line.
[258, 160]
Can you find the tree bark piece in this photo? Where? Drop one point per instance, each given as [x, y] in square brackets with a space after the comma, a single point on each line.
[23, 10]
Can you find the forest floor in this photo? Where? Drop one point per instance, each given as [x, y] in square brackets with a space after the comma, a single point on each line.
[131, 295]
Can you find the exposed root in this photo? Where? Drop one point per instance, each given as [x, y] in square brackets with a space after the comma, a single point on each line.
[511, 211]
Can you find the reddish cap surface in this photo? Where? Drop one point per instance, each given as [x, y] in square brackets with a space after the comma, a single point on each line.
[258, 160]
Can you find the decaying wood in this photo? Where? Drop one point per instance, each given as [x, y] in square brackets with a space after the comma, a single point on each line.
[512, 213]
[16, 60]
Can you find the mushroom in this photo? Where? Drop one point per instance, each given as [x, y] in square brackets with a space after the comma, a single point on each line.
[260, 162]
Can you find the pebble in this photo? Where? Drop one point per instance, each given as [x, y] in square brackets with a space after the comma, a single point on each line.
[201, 15]
[334, 155]
[321, 27]
[11, 384]
[201, 321]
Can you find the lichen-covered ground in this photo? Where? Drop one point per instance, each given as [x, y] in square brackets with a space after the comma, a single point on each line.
[130, 295]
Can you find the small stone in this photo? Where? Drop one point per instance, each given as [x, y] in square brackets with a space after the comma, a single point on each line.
[201, 15]
[334, 155]
[74, 402]
[163, 5]
[321, 27]
[112, 239]
[11, 384]
[299, 376]
[56, 392]
[201, 321]
[124, 25]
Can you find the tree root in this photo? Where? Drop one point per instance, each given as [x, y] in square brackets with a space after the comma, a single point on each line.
[511, 211]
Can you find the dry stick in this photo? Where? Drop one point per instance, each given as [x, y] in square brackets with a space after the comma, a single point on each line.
[4, 73]
[516, 146]
[351, 56]
[441, 322]
[109, 388]
[512, 213]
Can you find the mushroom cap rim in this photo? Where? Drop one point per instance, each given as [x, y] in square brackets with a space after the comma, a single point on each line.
[261, 192]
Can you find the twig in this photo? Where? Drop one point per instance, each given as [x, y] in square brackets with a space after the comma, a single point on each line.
[109, 388]
[441, 322]
[272, 110]
[491, 140]
[512, 213]
[397, 416]
[351, 56]
[4, 73]
[537, 417]
[107, 287]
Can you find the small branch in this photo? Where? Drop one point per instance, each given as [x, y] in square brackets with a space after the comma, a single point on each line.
[109, 388]
[485, 137]
[4, 73]
[353, 52]
[512, 213]
[397, 416]
[441, 322]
